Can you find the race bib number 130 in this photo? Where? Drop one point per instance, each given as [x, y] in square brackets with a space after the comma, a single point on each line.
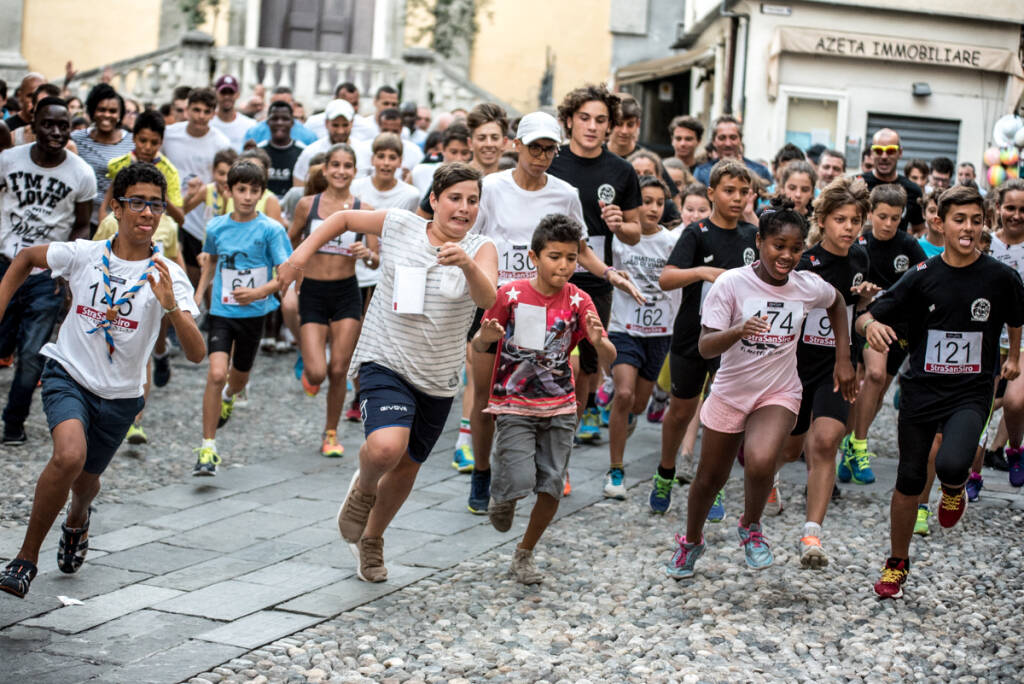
[953, 353]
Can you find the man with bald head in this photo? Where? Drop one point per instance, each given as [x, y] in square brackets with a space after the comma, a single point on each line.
[24, 94]
[885, 155]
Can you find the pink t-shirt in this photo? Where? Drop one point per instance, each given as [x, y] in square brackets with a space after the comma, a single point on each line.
[764, 364]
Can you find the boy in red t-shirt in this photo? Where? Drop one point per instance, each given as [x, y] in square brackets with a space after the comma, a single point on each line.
[537, 323]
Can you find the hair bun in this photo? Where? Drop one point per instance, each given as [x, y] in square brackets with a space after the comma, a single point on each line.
[780, 203]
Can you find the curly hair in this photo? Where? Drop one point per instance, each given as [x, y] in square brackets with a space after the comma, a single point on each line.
[780, 214]
[555, 228]
[578, 97]
[138, 172]
[839, 193]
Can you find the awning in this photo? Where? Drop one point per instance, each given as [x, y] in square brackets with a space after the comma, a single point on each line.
[663, 66]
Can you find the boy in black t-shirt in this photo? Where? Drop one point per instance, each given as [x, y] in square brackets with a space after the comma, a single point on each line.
[283, 151]
[610, 194]
[954, 306]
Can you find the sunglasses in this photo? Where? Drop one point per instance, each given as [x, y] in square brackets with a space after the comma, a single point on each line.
[886, 149]
[138, 205]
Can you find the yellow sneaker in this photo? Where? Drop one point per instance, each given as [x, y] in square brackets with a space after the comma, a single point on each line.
[330, 447]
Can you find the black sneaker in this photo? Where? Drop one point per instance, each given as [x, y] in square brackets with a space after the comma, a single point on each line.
[479, 492]
[17, 576]
[161, 370]
[15, 434]
[996, 460]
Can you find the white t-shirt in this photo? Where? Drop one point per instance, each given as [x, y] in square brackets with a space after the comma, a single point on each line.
[427, 349]
[509, 215]
[364, 128]
[235, 130]
[1012, 256]
[423, 176]
[84, 356]
[411, 156]
[37, 204]
[301, 169]
[317, 124]
[644, 262]
[193, 157]
[402, 196]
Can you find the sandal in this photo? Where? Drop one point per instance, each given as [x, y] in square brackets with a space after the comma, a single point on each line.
[73, 545]
[17, 576]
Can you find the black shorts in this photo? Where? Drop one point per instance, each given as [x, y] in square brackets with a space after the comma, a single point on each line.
[367, 293]
[386, 399]
[646, 354]
[326, 301]
[190, 247]
[689, 373]
[897, 354]
[959, 430]
[588, 355]
[243, 334]
[475, 325]
[819, 401]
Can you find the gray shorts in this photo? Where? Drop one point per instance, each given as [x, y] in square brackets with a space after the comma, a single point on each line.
[531, 455]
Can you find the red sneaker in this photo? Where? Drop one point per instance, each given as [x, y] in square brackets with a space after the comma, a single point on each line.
[894, 575]
[353, 415]
[7, 361]
[952, 507]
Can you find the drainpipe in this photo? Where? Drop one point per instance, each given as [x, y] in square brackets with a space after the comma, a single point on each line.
[735, 17]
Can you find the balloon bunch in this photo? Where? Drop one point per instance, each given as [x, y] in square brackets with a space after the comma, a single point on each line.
[1004, 160]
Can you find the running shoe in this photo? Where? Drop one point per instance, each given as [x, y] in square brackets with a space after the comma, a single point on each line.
[353, 414]
[268, 344]
[72, 546]
[136, 435]
[605, 393]
[331, 448]
[206, 462]
[656, 408]
[755, 546]
[479, 492]
[590, 426]
[14, 433]
[226, 407]
[717, 512]
[282, 346]
[370, 554]
[7, 361]
[161, 370]
[242, 398]
[17, 576]
[921, 525]
[298, 367]
[354, 512]
[614, 484]
[894, 576]
[523, 569]
[683, 560]
[843, 472]
[462, 461]
[605, 415]
[996, 459]
[309, 388]
[1013, 459]
[811, 553]
[661, 494]
[859, 464]
[975, 483]
[567, 489]
[501, 514]
[775, 505]
[952, 507]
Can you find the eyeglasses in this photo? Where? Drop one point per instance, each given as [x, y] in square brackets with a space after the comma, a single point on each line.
[137, 205]
[541, 151]
[886, 149]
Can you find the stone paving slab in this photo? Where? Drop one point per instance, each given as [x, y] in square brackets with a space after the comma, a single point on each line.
[175, 664]
[203, 514]
[351, 592]
[204, 574]
[307, 510]
[40, 667]
[184, 495]
[259, 628]
[126, 538]
[155, 558]
[99, 609]
[231, 599]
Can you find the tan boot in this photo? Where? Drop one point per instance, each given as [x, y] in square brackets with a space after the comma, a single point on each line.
[354, 512]
[371, 560]
[523, 570]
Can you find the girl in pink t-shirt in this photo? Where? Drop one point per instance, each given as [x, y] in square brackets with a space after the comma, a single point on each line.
[752, 317]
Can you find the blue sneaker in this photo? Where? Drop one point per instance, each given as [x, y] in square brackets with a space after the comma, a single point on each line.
[974, 485]
[717, 512]
[859, 463]
[758, 552]
[590, 426]
[614, 484]
[896, 398]
[843, 472]
[298, 366]
[463, 461]
[661, 495]
[683, 560]
[605, 415]
[479, 492]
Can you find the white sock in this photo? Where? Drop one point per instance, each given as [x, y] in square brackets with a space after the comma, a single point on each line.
[160, 356]
[211, 443]
[812, 529]
[465, 434]
[224, 394]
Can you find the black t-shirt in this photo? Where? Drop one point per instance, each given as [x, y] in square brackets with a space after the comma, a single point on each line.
[890, 259]
[608, 178]
[282, 161]
[705, 244]
[15, 121]
[913, 213]
[954, 317]
[816, 351]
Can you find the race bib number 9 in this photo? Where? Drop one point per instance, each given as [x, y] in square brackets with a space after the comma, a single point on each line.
[818, 328]
[231, 279]
[953, 353]
[783, 317]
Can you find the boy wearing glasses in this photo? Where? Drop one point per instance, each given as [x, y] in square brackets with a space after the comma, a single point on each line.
[885, 155]
[121, 289]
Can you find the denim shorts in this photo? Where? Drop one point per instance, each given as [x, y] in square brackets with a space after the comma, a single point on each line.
[105, 421]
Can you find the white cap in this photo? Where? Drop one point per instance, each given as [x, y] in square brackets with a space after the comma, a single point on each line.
[338, 108]
[538, 125]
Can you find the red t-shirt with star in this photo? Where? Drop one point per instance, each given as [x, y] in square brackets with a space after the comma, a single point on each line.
[529, 382]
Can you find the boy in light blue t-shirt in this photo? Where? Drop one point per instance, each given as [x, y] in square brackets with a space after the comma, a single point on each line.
[240, 254]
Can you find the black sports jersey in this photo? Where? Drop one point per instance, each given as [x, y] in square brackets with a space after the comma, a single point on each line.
[913, 213]
[890, 259]
[705, 244]
[605, 178]
[816, 351]
[954, 317]
[282, 161]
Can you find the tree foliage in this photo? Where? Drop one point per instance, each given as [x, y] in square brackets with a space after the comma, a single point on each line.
[195, 11]
[454, 24]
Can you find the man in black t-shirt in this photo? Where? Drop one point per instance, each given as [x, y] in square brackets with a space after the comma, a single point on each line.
[885, 155]
[283, 151]
[610, 194]
[25, 93]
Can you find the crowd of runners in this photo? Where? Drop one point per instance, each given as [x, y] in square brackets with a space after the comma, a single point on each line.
[560, 279]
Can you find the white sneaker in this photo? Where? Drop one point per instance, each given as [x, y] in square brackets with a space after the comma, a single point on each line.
[242, 398]
[812, 555]
[615, 484]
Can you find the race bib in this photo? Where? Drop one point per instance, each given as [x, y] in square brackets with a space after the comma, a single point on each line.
[340, 245]
[783, 317]
[531, 327]
[652, 318]
[953, 353]
[818, 328]
[231, 278]
[514, 262]
[409, 290]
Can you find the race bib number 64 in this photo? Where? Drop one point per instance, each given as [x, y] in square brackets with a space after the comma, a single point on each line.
[953, 353]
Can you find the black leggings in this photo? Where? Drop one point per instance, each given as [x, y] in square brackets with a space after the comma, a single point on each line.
[960, 431]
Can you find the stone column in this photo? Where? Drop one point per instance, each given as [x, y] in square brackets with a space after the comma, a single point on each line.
[12, 64]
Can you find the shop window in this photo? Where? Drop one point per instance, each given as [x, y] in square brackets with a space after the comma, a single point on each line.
[811, 121]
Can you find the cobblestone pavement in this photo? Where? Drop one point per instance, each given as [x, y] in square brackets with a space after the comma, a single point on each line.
[243, 578]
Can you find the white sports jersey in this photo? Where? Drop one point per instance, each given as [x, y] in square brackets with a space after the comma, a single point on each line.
[644, 262]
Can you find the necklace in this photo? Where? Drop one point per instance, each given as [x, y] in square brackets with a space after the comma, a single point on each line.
[113, 308]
